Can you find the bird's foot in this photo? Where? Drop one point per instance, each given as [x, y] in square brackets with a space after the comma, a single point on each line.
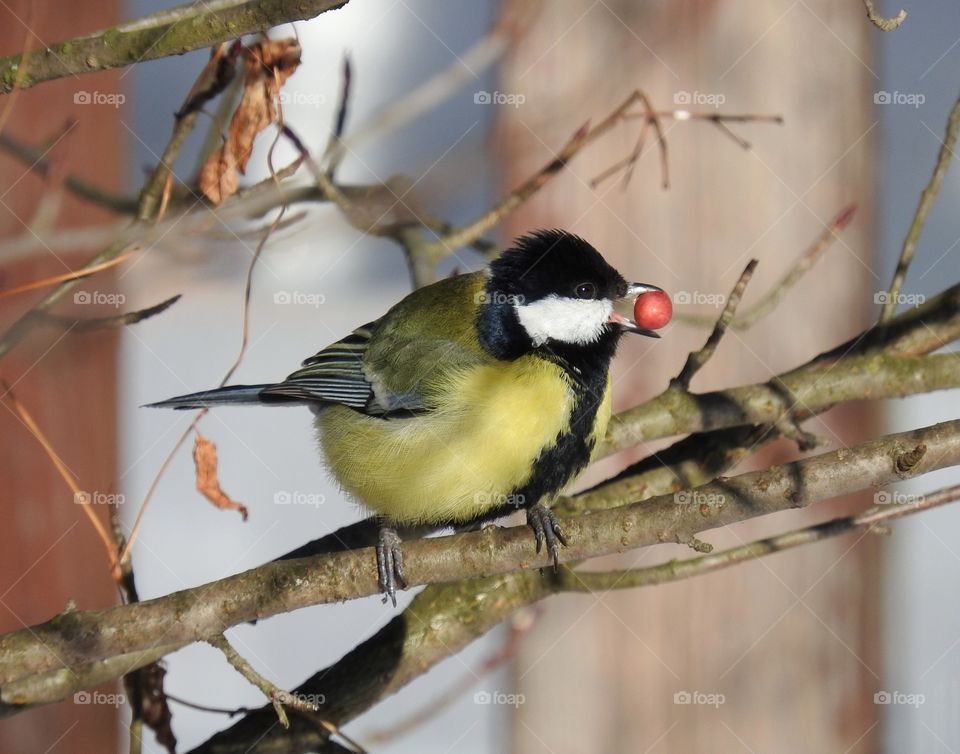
[546, 528]
[390, 563]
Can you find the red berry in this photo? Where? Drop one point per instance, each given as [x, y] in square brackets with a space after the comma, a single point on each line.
[652, 310]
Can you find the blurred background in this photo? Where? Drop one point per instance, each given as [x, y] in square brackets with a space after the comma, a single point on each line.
[799, 651]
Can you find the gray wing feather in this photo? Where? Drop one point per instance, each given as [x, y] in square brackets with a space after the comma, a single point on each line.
[337, 374]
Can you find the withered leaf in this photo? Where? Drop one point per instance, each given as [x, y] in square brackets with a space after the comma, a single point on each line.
[205, 459]
[267, 65]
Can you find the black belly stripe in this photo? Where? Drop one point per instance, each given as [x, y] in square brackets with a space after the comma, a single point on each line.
[558, 464]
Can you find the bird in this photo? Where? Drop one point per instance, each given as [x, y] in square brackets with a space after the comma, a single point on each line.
[471, 398]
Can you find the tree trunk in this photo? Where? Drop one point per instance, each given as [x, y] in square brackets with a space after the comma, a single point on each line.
[789, 646]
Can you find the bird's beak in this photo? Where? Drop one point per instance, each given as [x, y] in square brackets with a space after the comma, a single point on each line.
[634, 290]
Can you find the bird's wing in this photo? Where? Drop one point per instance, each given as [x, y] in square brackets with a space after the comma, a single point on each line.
[400, 362]
[334, 375]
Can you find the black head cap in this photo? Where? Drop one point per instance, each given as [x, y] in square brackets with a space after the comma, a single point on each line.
[554, 262]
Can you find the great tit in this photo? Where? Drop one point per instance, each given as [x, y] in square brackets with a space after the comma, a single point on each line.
[470, 398]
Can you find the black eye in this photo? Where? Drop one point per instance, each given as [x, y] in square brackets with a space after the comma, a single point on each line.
[586, 290]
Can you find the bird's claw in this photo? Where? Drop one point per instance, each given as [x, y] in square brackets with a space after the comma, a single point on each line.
[390, 564]
[546, 528]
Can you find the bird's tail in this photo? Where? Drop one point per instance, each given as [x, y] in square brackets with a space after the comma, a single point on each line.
[234, 394]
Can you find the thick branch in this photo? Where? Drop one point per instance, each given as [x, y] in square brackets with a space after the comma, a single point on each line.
[200, 613]
[159, 35]
[798, 394]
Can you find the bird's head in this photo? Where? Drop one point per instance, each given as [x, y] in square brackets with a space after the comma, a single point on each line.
[553, 287]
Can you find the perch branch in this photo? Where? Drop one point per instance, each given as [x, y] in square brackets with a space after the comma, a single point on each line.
[394, 665]
[747, 319]
[196, 614]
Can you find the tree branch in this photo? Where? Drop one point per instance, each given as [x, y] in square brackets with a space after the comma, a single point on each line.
[392, 662]
[927, 198]
[196, 614]
[168, 32]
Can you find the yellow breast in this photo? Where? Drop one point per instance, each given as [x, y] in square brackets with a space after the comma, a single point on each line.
[455, 463]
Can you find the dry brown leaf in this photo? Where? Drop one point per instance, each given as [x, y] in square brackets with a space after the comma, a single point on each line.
[267, 65]
[205, 459]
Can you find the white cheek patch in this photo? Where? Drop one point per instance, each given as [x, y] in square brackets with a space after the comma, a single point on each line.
[570, 320]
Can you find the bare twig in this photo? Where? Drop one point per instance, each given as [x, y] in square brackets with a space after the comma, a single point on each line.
[86, 324]
[584, 135]
[697, 359]
[884, 24]
[927, 198]
[213, 79]
[430, 93]
[277, 696]
[334, 153]
[34, 159]
[79, 496]
[747, 319]
[80, 274]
